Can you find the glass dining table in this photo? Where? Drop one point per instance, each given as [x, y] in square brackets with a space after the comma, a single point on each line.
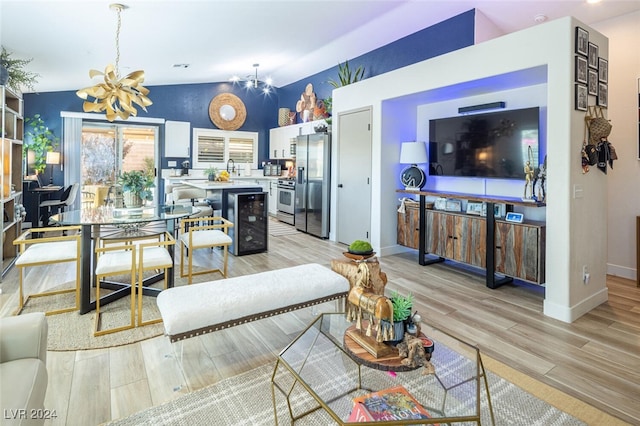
[107, 222]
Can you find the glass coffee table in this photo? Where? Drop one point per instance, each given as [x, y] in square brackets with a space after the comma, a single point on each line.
[319, 378]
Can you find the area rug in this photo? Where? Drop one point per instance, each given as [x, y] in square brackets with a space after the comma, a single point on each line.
[246, 399]
[71, 331]
[279, 229]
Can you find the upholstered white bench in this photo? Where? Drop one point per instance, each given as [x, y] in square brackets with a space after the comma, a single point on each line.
[196, 309]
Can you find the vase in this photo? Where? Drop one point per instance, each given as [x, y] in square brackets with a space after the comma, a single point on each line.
[283, 116]
[398, 331]
[132, 200]
[4, 75]
[211, 177]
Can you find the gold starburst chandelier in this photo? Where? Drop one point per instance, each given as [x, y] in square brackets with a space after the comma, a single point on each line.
[116, 95]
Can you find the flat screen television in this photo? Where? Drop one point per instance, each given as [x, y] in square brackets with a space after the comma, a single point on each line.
[486, 145]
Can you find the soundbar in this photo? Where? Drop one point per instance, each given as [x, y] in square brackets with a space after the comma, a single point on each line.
[483, 107]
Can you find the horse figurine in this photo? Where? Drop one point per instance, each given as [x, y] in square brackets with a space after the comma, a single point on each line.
[363, 301]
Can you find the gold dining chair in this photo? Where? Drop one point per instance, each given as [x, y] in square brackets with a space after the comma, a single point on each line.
[50, 248]
[153, 255]
[114, 258]
[203, 232]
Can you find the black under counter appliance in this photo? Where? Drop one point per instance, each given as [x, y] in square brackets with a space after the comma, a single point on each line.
[249, 213]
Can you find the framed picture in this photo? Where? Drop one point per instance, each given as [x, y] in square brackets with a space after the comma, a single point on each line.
[593, 82]
[581, 97]
[581, 70]
[440, 203]
[582, 41]
[603, 70]
[453, 206]
[474, 208]
[592, 58]
[602, 95]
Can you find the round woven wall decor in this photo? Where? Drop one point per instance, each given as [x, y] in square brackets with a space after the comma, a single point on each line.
[227, 111]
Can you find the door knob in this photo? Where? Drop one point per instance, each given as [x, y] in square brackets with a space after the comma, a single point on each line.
[339, 185]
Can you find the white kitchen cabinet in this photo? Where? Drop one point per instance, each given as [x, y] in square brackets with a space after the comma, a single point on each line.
[177, 138]
[280, 138]
[270, 186]
[273, 197]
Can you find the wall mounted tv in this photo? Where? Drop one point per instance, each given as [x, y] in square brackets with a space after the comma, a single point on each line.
[487, 145]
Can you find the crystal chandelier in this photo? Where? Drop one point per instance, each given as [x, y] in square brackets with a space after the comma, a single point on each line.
[116, 95]
[253, 82]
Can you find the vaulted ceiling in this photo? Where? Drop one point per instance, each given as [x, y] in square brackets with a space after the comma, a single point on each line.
[219, 38]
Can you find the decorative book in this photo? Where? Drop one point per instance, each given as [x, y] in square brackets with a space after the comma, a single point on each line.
[394, 403]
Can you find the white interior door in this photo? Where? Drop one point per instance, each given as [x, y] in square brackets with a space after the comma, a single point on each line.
[354, 177]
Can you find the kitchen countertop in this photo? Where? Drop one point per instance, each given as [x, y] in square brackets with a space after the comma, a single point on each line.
[212, 185]
[201, 177]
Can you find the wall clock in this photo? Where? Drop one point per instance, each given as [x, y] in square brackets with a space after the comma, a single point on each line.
[227, 111]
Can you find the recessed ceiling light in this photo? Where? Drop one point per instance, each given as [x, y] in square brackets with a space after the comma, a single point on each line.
[181, 65]
[540, 18]
[593, 1]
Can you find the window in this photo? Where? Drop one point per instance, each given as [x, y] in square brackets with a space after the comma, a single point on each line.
[216, 147]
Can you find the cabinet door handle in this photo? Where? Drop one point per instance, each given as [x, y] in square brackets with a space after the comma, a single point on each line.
[339, 185]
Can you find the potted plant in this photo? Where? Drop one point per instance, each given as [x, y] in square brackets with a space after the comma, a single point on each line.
[42, 140]
[345, 77]
[402, 306]
[136, 188]
[13, 74]
[211, 173]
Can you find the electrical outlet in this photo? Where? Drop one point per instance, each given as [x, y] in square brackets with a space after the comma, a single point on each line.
[585, 274]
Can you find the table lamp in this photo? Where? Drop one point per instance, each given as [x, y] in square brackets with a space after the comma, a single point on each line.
[53, 158]
[414, 153]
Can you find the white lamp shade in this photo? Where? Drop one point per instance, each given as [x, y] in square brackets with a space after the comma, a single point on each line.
[53, 157]
[413, 153]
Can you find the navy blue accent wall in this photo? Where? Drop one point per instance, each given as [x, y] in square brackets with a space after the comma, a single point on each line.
[446, 36]
[190, 102]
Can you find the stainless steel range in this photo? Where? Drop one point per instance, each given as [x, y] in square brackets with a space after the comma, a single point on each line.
[286, 200]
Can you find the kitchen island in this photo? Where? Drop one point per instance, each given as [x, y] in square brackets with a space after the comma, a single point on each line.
[244, 204]
[218, 192]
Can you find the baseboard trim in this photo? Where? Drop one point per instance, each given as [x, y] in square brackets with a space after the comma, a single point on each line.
[622, 271]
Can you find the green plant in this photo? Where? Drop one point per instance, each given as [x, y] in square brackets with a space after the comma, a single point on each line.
[137, 182]
[360, 246]
[346, 76]
[210, 171]
[42, 140]
[328, 106]
[401, 306]
[18, 76]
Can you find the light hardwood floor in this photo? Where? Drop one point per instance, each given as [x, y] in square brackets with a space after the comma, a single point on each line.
[596, 358]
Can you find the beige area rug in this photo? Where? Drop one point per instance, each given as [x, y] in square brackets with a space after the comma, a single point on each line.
[279, 229]
[71, 331]
[246, 399]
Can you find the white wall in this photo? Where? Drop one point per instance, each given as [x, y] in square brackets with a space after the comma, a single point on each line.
[509, 62]
[624, 199]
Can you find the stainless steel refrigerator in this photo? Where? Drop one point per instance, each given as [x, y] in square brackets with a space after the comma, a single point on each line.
[313, 166]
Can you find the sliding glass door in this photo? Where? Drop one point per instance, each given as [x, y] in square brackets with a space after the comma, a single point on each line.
[108, 149]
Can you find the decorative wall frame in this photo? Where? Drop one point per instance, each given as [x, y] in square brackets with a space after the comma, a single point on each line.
[582, 41]
[592, 58]
[603, 70]
[602, 99]
[582, 97]
[581, 70]
[593, 82]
